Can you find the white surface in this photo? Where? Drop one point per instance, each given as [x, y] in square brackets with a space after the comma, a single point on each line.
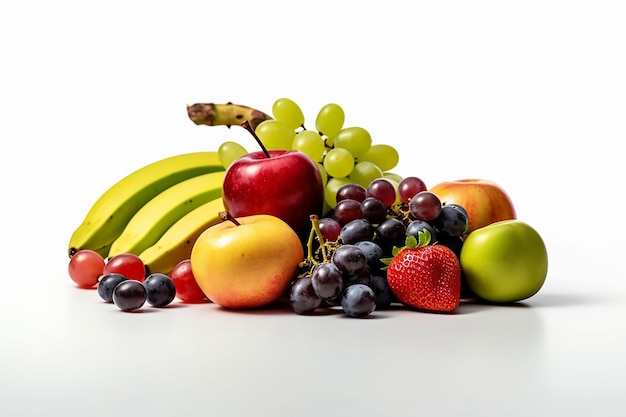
[528, 94]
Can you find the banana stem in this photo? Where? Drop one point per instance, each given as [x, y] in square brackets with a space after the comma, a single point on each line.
[228, 114]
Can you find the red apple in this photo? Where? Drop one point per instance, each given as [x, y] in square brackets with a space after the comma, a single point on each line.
[246, 262]
[485, 201]
[283, 183]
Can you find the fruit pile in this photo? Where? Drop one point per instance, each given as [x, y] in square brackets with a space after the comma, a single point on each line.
[88, 269]
[362, 241]
[316, 217]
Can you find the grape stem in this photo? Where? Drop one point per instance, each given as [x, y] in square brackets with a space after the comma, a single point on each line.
[224, 215]
[315, 231]
[246, 125]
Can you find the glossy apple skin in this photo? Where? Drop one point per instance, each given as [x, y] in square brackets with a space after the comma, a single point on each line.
[485, 201]
[287, 185]
[504, 262]
[246, 266]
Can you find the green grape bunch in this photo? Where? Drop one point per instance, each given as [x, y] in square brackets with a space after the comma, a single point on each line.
[343, 154]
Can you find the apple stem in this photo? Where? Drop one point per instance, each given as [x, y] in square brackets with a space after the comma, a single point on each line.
[224, 215]
[246, 125]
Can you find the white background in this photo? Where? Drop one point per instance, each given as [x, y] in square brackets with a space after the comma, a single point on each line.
[527, 94]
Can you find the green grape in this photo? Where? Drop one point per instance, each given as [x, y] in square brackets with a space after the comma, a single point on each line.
[311, 143]
[338, 162]
[393, 176]
[330, 191]
[385, 156]
[323, 173]
[229, 151]
[288, 112]
[365, 172]
[275, 134]
[355, 139]
[330, 120]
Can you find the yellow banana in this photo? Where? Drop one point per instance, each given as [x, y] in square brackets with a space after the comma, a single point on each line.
[109, 215]
[162, 211]
[228, 114]
[176, 243]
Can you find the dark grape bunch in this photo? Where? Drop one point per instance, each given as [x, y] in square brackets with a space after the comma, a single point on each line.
[346, 269]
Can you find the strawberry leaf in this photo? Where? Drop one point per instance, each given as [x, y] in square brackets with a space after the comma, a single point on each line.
[424, 238]
[410, 241]
[394, 251]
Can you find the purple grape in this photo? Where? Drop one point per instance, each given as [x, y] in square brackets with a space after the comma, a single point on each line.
[347, 210]
[391, 232]
[409, 187]
[452, 220]
[362, 277]
[425, 206]
[373, 252]
[458, 207]
[107, 284]
[356, 230]
[384, 295]
[417, 226]
[327, 281]
[129, 295]
[373, 210]
[302, 296]
[160, 290]
[330, 229]
[383, 190]
[358, 300]
[351, 191]
[350, 259]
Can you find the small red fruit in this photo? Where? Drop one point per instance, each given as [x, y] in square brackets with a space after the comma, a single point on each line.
[426, 277]
[187, 288]
[85, 267]
[127, 264]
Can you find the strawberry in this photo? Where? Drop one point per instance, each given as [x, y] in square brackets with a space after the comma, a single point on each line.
[425, 276]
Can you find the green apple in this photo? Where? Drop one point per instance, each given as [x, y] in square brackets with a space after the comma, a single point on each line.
[504, 262]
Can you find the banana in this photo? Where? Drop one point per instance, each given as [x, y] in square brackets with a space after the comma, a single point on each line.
[228, 114]
[176, 243]
[152, 220]
[109, 215]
